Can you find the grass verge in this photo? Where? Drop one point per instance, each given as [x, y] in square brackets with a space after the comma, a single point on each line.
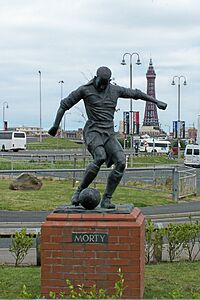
[163, 281]
[56, 192]
[173, 280]
[53, 143]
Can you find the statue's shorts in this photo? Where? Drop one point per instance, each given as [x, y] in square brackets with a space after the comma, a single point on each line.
[108, 141]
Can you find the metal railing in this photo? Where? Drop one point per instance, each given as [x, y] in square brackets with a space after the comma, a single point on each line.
[180, 182]
[152, 178]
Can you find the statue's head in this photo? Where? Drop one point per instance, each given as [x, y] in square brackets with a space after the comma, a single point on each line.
[102, 78]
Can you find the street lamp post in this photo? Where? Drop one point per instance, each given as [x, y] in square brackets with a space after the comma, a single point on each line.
[40, 98]
[5, 105]
[179, 108]
[138, 62]
[61, 82]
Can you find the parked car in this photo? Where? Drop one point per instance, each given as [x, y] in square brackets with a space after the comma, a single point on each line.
[192, 155]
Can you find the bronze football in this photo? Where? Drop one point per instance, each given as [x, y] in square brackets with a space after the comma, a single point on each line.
[89, 198]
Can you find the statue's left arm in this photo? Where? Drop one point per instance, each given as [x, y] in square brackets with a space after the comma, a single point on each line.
[65, 104]
[137, 94]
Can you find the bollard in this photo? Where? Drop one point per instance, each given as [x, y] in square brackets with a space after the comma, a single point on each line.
[198, 181]
[175, 182]
[38, 255]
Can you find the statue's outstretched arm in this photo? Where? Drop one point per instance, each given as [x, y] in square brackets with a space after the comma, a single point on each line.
[160, 104]
[137, 94]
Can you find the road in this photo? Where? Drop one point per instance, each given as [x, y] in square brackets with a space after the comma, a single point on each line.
[11, 220]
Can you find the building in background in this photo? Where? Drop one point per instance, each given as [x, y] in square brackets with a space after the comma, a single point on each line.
[191, 134]
[198, 130]
[74, 134]
[150, 123]
[29, 130]
[32, 131]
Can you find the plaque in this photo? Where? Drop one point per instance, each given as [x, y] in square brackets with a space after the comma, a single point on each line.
[89, 238]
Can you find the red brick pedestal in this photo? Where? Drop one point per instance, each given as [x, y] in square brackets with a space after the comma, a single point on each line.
[89, 248]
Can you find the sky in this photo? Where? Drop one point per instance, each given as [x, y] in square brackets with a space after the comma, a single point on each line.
[68, 40]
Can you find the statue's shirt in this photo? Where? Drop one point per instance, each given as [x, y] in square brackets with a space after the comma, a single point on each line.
[100, 106]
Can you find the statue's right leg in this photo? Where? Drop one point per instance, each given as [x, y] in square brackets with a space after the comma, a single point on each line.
[90, 173]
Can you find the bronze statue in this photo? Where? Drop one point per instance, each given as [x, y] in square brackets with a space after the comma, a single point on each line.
[100, 99]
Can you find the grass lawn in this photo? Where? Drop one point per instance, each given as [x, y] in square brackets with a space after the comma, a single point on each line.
[12, 280]
[139, 161]
[166, 280]
[56, 192]
[173, 280]
[53, 143]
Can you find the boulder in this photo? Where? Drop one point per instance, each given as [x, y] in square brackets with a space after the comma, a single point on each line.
[26, 181]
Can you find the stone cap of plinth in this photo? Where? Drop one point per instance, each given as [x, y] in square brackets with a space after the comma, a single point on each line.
[122, 213]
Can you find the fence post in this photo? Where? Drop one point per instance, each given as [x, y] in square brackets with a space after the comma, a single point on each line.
[38, 256]
[12, 166]
[154, 176]
[84, 162]
[74, 172]
[198, 181]
[175, 184]
[52, 163]
[127, 158]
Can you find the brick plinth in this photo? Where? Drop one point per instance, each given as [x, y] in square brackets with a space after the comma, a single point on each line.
[92, 263]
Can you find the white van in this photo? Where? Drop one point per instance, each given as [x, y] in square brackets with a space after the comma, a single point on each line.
[192, 155]
[154, 145]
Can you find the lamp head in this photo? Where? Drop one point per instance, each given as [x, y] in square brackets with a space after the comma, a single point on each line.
[184, 83]
[123, 63]
[173, 82]
[138, 62]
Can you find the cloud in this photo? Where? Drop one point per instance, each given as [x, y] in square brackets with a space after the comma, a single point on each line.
[67, 40]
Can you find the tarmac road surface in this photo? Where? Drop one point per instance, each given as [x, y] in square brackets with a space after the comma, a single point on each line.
[11, 221]
[161, 213]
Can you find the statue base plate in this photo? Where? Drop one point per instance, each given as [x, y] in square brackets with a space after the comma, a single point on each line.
[71, 209]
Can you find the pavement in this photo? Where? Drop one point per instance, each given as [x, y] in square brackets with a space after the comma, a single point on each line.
[177, 212]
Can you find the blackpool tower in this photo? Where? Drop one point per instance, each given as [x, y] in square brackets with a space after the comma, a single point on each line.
[151, 115]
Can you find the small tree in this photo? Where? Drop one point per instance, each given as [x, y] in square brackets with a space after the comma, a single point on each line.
[149, 242]
[20, 244]
[175, 240]
[191, 232]
[153, 242]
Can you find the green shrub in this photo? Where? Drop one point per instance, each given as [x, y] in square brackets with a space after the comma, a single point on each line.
[20, 244]
[149, 229]
[191, 235]
[180, 237]
[175, 240]
[81, 292]
[153, 242]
